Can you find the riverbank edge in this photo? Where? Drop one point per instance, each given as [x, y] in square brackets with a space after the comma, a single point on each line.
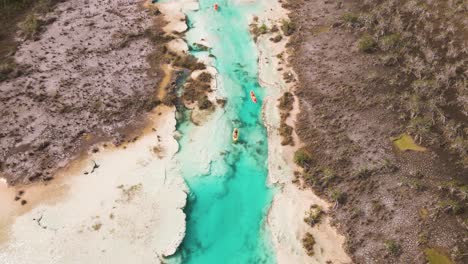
[290, 198]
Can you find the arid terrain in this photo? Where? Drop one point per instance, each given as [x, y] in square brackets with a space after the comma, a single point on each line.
[368, 73]
[63, 89]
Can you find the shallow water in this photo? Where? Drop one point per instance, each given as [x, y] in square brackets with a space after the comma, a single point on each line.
[229, 196]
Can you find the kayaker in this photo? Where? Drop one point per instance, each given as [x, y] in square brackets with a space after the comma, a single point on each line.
[253, 97]
[235, 134]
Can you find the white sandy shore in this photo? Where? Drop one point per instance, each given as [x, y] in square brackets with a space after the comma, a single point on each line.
[128, 210]
[290, 204]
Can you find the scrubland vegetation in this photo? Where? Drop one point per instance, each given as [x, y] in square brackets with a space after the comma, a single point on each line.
[384, 69]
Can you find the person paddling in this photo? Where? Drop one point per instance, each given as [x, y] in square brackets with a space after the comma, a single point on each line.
[253, 97]
[235, 134]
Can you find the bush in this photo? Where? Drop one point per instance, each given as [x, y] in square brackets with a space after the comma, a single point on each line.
[204, 103]
[286, 101]
[314, 215]
[366, 44]
[286, 132]
[451, 206]
[188, 62]
[308, 243]
[302, 158]
[276, 38]
[328, 175]
[350, 19]
[204, 77]
[392, 247]
[390, 41]
[30, 26]
[262, 29]
[337, 196]
[288, 27]
[6, 68]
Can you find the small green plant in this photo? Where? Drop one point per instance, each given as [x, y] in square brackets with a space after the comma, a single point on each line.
[390, 41]
[462, 192]
[392, 247]
[416, 184]
[309, 178]
[314, 215]
[328, 175]
[288, 27]
[97, 226]
[337, 196]
[204, 103]
[286, 131]
[302, 158]
[6, 68]
[423, 238]
[308, 243]
[366, 44]
[205, 77]
[263, 29]
[350, 19]
[286, 101]
[30, 26]
[363, 173]
[420, 127]
[451, 206]
[276, 38]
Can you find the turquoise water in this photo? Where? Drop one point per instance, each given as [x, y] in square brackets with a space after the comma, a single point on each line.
[229, 198]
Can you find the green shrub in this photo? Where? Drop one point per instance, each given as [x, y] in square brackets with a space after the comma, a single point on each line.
[204, 77]
[390, 41]
[392, 247]
[350, 18]
[204, 103]
[286, 102]
[302, 158]
[314, 215]
[262, 29]
[6, 68]
[451, 206]
[308, 242]
[30, 26]
[276, 38]
[366, 43]
[328, 175]
[420, 127]
[288, 27]
[286, 132]
[337, 196]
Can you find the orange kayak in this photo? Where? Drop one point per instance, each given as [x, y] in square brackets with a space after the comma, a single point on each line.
[253, 97]
[216, 7]
[235, 134]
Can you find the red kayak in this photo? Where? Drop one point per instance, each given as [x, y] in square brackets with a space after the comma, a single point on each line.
[216, 7]
[253, 97]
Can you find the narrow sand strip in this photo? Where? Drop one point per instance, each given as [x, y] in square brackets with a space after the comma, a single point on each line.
[290, 204]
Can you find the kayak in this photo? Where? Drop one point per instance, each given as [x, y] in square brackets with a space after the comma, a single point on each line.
[216, 7]
[235, 134]
[253, 97]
